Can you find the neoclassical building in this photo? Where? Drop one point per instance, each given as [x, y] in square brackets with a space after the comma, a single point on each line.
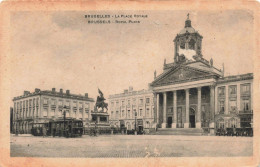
[192, 93]
[44, 105]
[132, 108]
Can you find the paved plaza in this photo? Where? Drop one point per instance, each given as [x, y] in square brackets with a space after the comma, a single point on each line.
[131, 146]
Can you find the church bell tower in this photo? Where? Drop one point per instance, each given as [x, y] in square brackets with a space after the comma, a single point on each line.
[187, 44]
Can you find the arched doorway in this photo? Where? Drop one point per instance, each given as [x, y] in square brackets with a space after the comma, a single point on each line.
[192, 118]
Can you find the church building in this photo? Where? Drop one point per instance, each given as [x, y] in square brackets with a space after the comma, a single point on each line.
[192, 93]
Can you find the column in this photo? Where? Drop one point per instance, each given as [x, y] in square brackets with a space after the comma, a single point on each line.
[187, 96]
[212, 108]
[83, 111]
[71, 108]
[198, 122]
[56, 107]
[77, 112]
[89, 112]
[164, 109]
[49, 108]
[226, 100]
[154, 103]
[238, 98]
[157, 107]
[216, 101]
[174, 109]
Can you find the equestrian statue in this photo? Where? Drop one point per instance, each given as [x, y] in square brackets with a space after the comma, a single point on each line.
[100, 103]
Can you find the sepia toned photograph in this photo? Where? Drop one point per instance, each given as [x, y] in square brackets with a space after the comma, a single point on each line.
[126, 84]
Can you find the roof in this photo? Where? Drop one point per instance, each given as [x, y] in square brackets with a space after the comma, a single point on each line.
[234, 78]
[140, 92]
[187, 30]
[55, 94]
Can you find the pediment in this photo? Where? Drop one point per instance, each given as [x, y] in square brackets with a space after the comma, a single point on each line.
[181, 74]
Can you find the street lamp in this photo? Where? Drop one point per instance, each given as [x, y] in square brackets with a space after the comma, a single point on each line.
[64, 116]
[135, 122]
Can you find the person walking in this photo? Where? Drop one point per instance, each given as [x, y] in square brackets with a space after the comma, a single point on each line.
[44, 131]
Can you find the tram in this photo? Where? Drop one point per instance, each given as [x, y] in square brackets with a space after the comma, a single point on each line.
[68, 127]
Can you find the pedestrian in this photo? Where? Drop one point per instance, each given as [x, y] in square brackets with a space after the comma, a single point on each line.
[95, 130]
[43, 131]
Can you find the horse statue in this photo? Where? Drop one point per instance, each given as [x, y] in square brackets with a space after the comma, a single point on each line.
[100, 103]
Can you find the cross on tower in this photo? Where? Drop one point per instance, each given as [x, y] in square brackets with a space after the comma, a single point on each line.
[188, 16]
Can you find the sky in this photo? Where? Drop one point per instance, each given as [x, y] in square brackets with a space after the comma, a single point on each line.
[61, 50]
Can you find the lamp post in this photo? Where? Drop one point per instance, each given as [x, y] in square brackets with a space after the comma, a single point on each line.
[135, 123]
[16, 129]
[64, 116]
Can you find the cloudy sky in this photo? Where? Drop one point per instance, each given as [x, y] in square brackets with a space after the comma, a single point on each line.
[61, 50]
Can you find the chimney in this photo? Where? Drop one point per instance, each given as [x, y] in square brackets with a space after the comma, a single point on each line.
[53, 90]
[26, 92]
[61, 91]
[125, 91]
[67, 92]
[131, 89]
[86, 95]
[37, 90]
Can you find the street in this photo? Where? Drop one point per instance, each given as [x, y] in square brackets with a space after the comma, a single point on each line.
[131, 146]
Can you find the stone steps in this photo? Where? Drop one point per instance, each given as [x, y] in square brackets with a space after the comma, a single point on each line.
[179, 131]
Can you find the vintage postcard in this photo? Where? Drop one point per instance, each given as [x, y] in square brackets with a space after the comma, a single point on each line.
[123, 83]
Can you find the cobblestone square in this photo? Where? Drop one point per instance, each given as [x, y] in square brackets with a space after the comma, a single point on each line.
[125, 146]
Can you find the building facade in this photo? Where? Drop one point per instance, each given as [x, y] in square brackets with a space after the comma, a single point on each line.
[192, 93]
[132, 109]
[41, 106]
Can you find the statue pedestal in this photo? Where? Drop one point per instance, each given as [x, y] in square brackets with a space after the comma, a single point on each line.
[100, 119]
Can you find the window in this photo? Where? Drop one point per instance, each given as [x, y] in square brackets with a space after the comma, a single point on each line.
[141, 112]
[60, 112]
[52, 102]
[87, 105]
[123, 103]
[74, 104]
[134, 101]
[128, 102]
[45, 111]
[245, 88]
[221, 90]
[141, 101]
[147, 100]
[233, 105]
[117, 103]
[134, 113]
[60, 103]
[123, 113]
[112, 104]
[220, 123]
[128, 113]
[52, 112]
[112, 114]
[245, 105]
[45, 101]
[147, 112]
[232, 123]
[233, 90]
[80, 105]
[221, 106]
[117, 114]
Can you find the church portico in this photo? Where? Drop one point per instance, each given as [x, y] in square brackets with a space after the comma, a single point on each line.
[183, 108]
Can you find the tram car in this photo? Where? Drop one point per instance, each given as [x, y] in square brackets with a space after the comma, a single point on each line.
[68, 127]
